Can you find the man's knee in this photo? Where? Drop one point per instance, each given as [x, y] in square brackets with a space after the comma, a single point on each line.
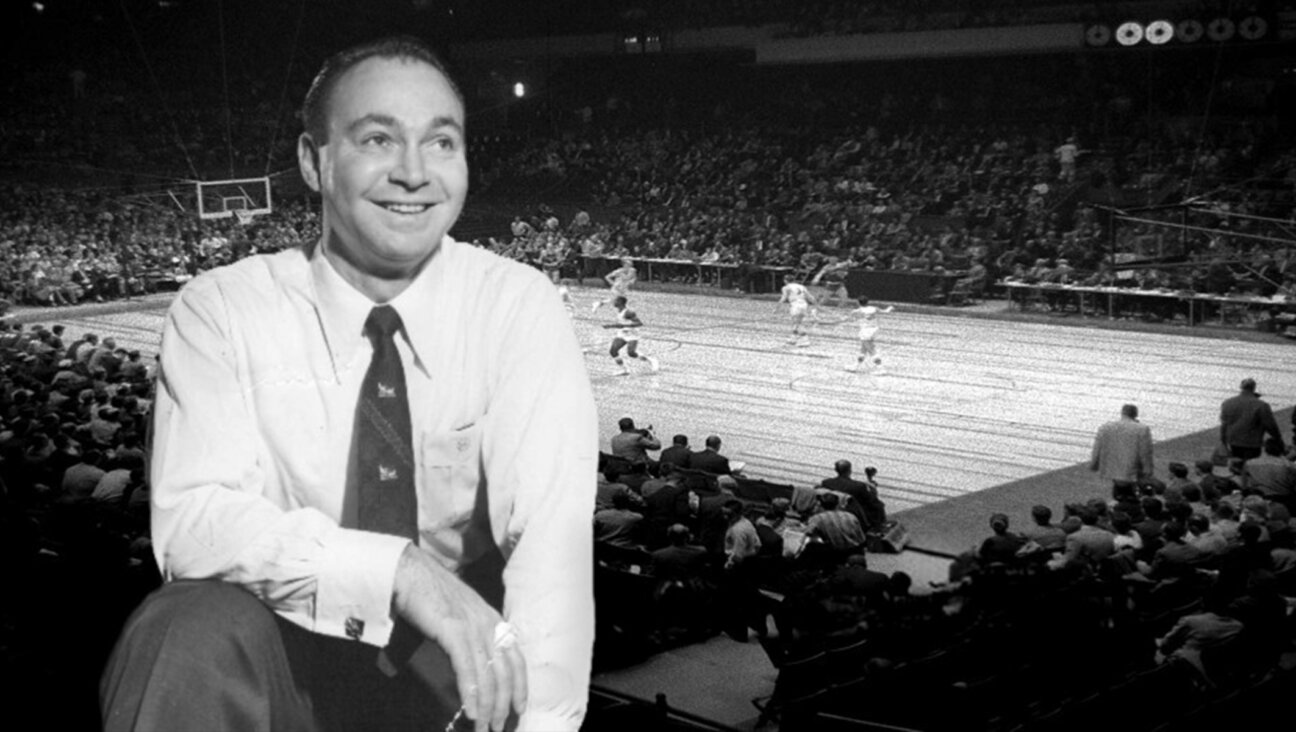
[192, 651]
[205, 611]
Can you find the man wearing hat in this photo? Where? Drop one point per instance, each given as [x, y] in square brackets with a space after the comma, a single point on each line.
[1245, 419]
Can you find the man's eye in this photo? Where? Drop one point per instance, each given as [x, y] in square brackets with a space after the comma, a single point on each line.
[445, 143]
[377, 140]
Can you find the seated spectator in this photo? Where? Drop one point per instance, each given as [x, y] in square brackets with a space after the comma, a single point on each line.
[677, 454]
[710, 460]
[1272, 474]
[633, 444]
[839, 529]
[854, 577]
[871, 512]
[1047, 536]
[1151, 527]
[1212, 486]
[777, 523]
[1195, 634]
[81, 479]
[680, 558]
[608, 488]
[1281, 526]
[1124, 537]
[1002, 546]
[1208, 539]
[112, 486]
[619, 525]
[1176, 558]
[667, 476]
[1174, 487]
[1224, 520]
[133, 369]
[1088, 545]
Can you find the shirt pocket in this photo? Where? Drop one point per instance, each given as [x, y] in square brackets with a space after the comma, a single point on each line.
[451, 474]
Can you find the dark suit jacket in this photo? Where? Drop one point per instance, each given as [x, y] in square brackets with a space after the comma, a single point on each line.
[677, 455]
[1244, 420]
[709, 461]
[872, 512]
[680, 562]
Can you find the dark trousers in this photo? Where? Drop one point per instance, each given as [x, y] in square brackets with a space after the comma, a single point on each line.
[1242, 452]
[207, 655]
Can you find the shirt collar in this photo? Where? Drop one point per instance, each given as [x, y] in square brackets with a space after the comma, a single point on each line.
[343, 309]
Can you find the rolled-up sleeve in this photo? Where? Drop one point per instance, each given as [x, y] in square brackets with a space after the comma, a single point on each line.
[542, 446]
[212, 514]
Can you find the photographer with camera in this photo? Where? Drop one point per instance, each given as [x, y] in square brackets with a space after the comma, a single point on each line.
[632, 446]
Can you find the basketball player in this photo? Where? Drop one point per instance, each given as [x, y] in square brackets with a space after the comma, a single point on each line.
[868, 327]
[619, 280]
[627, 337]
[799, 302]
[564, 292]
[833, 277]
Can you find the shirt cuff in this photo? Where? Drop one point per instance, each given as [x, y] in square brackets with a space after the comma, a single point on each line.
[542, 721]
[354, 596]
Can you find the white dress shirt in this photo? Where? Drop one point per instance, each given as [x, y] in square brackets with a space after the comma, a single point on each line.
[261, 366]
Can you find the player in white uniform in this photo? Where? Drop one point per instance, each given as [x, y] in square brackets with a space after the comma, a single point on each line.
[868, 327]
[800, 304]
[564, 292]
[627, 337]
[619, 280]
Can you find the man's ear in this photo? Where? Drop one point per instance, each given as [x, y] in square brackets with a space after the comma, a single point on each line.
[308, 161]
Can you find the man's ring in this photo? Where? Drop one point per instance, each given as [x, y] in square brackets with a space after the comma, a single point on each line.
[505, 636]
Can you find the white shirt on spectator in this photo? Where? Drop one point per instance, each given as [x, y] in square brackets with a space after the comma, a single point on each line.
[262, 362]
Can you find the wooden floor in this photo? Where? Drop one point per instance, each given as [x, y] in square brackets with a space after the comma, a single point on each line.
[965, 404]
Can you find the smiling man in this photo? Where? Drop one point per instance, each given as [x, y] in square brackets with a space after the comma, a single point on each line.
[374, 460]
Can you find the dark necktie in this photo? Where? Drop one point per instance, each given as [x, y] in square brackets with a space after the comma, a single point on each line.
[383, 441]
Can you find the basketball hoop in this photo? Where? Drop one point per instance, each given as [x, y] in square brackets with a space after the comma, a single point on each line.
[244, 198]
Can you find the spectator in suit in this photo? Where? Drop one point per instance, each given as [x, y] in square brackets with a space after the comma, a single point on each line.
[872, 513]
[1122, 449]
[680, 558]
[667, 476]
[677, 454]
[710, 460]
[1245, 419]
[1177, 557]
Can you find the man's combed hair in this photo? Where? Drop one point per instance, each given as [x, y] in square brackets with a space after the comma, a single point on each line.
[314, 111]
